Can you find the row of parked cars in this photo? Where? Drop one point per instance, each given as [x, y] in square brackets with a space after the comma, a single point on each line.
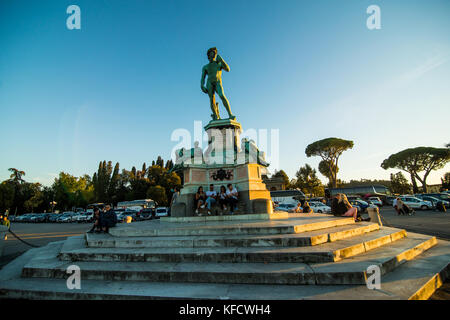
[88, 216]
[424, 201]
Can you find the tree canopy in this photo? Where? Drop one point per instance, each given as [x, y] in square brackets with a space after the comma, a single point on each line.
[417, 160]
[308, 182]
[329, 149]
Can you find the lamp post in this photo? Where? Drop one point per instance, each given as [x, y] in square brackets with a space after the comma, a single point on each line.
[53, 203]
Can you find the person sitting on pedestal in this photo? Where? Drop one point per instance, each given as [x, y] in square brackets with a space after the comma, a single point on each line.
[96, 217]
[211, 197]
[232, 197]
[223, 198]
[200, 198]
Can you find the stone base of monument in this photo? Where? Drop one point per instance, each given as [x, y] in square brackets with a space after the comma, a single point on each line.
[294, 256]
[253, 194]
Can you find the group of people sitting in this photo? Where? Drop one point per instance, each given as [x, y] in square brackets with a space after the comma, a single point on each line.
[301, 208]
[340, 206]
[226, 197]
[103, 220]
[401, 207]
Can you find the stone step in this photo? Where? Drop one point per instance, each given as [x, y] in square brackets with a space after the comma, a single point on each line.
[328, 252]
[282, 240]
[353, 271]
[414, 279]
[295, 224]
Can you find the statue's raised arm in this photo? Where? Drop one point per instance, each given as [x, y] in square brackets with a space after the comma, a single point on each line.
[214, 82]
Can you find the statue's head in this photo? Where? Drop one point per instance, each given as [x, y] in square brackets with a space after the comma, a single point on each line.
[212, 53]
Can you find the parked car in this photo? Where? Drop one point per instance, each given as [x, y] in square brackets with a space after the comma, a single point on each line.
[360, 204]
[84, 217]
[433, 200]
[376, 201]
[416, 203]
[161, 212]
[130, 213]
[285, 207]
[147, 214]
[319, 207]
[66, 217]
[442, 196]
[28, 217]
[53, 217]
[389, 200]
[122, 215]
[38, 218]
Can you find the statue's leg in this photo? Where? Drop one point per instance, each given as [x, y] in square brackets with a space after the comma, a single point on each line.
[212, 100]
[225, 102]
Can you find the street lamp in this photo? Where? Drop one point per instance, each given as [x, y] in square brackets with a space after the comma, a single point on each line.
[53, 203]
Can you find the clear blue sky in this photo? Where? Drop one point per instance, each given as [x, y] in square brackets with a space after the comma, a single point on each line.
[118, 88]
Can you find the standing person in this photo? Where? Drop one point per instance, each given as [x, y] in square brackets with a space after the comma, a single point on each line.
[200, 198]
[175, 196]
[96, 218]
[232, 197]
[400, 207]
[223, 198]
[394, 204]
[211, 197]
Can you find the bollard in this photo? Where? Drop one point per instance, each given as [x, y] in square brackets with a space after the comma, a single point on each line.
[374, 215]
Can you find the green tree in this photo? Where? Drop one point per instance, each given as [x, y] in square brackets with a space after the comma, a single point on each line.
[16, 175]
[72, 191]
[399, 184]
[158, 194]
[329, 149]
[35, 197]
[324, 169]
[446, 181]
[281, 174]
[7, 190]
[416, 160]
[308, 182]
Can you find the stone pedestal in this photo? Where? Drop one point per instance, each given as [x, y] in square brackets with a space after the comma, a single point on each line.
[224, 161]
[223, 141]
[253, 193]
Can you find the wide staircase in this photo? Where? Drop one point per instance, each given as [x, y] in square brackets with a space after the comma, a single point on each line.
[276, 256]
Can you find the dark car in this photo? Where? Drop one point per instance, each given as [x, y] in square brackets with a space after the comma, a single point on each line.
[38, 218]
[52, 217]
[441, 196]
[362, 205]
[433, 200]
[146, 214]
[389, 200]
